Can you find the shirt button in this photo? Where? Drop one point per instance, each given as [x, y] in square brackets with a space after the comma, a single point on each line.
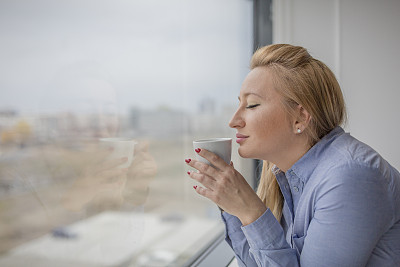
[296, 189]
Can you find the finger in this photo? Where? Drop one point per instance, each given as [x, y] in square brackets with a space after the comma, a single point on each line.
[111, 163]
[143, 160]
[143, 173]
[204, 192]
[212, 158]
[142, 156]
[205, 180]
[202, 167]
[142, 146]
[99, 155]
[115, 186]
[106, 175]
[143, 167]
[232, 164]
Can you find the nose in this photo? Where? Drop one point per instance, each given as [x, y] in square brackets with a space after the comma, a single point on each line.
[237, 120]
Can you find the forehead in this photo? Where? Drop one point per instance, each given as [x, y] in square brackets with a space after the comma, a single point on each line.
[258, 81]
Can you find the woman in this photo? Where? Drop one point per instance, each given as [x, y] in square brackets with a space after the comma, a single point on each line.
[324, 198]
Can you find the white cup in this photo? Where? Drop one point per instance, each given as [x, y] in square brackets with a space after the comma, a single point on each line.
[222, 147]
[122, 147]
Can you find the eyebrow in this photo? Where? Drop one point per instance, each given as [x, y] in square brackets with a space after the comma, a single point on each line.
[246, 94]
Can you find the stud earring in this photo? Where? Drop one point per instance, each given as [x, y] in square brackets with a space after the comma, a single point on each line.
[298, 130]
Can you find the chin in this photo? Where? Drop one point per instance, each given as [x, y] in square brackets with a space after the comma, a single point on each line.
[243, 153]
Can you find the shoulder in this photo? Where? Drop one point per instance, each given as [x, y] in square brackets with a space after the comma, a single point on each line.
[355, 171]
[351, 174]
[351, 166]
[341, 168]
[347, 155]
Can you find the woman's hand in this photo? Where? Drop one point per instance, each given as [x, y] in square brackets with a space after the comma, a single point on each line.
[226, 187]
[102, 184]
[140, 174]
[100, 181]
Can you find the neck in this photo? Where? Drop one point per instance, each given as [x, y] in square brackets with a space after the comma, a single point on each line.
[292, 154]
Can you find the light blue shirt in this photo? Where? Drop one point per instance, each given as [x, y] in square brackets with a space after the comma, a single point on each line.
[341, 208]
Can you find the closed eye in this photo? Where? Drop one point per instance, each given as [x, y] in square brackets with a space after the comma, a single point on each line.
[253, 106]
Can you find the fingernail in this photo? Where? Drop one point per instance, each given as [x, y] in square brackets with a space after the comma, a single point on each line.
[188, 172]
[195, 187]
[197, 150]
[187, 160]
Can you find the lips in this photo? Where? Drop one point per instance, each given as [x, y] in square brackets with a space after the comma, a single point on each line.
[240, 138]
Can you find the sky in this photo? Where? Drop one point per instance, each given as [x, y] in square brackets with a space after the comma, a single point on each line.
[170, 53]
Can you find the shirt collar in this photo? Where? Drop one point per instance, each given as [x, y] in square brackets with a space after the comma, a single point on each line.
[304, 167]
[275, 170]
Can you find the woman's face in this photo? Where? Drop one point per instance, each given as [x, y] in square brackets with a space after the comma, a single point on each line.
[264, 130]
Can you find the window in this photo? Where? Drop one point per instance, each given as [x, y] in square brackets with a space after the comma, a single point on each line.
[161, 72]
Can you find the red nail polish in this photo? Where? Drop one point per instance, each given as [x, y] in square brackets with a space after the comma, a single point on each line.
[187, 160]
[197, 150]
[188, 173]
[195, 187]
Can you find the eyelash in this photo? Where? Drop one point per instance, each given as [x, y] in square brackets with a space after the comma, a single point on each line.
[252, 106]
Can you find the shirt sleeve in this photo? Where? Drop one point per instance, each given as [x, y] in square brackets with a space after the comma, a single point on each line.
[261, 243]
[352, 211]
[236, 240]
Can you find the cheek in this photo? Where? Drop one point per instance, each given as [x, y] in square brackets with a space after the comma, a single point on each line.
[271, 129]
[264, 125]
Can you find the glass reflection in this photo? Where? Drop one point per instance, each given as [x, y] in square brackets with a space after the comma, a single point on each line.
[74, 72]
[69, 177]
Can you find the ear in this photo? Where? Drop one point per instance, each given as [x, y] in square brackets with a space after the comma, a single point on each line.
[302, 120]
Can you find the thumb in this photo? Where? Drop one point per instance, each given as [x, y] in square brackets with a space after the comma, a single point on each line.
[143, 146]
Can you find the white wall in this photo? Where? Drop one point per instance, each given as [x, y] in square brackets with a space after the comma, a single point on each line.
[359, 40]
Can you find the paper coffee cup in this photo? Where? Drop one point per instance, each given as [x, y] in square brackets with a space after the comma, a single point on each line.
[219, 146]
[122, 147]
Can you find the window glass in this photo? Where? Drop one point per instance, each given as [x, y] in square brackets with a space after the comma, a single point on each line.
[154, 74]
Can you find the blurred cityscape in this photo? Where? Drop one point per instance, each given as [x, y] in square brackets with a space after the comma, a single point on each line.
[41, 156]
[20, 130]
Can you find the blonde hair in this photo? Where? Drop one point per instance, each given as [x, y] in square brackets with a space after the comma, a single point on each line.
[301, 80]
